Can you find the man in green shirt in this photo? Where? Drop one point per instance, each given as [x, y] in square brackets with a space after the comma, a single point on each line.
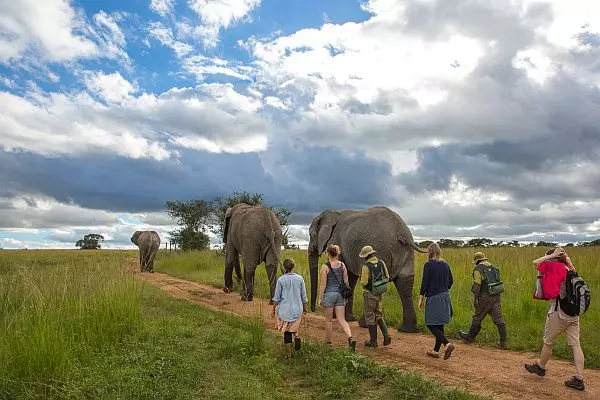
[374, 277]
[485, 277]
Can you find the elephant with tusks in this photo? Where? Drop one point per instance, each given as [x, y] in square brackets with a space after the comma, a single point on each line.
[254, 233]
[148, 242]
[386, 232]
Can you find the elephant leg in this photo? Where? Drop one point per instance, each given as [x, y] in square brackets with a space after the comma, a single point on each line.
[238, 270]
[272, 275]
[248, 291]
[151, 257]
[232, 260]
[404, 286]
[352, 279]
[141, 261]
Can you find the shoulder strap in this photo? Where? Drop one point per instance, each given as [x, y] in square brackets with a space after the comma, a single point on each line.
[333, 273]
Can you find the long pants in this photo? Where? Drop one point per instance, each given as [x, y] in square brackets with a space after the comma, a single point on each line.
[488, 305]
[440, 338]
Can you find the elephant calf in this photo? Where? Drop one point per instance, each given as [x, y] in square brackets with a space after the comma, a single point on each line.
[148, 243]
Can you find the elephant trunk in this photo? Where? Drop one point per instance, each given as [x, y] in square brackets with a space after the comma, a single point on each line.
[313, 264]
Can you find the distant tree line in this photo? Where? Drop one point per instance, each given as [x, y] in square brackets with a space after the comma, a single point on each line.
[196, 218]
[484, 242]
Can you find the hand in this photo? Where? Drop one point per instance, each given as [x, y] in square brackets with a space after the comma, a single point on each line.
[273, 314]
[559, 251]
[320, 303]
[304, 311]
[421, 303]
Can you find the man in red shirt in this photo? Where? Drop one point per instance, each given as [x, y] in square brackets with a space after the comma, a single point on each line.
[557, 322]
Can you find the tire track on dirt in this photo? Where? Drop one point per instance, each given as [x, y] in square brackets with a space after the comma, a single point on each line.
[482, 370]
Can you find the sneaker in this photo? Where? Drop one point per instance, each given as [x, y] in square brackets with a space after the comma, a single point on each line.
[448, 351]
[352, 345]
[433, 353]
[575, 383]
[535, 369]
[297, 343]
[387, 341]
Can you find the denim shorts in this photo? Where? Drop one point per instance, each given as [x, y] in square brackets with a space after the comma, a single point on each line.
[331, 299]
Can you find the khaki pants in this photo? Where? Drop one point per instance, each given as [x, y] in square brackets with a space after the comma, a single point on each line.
[372, 306]
[488, 305]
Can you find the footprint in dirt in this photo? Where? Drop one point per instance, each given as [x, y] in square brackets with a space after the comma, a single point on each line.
[200, 294]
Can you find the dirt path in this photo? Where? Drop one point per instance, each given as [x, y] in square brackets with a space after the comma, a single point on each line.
[481, 370]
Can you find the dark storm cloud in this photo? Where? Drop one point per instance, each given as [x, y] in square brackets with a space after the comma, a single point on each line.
[300, 178]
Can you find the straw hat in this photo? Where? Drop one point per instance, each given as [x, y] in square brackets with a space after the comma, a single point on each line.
[479, 256]
[366, 251]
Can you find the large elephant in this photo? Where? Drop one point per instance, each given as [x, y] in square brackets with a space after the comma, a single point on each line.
[148, 243]
[254, 233]
[379, 227]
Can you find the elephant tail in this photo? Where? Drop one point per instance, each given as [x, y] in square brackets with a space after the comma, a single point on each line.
[417, 248]
[271, 236]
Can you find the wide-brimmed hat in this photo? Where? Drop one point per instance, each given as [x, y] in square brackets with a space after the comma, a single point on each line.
[479, 256]
[366, 251]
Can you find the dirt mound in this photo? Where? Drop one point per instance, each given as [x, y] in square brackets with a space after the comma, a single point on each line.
[482, 370]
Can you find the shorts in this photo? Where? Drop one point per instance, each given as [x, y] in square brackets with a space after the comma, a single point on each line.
[557, 324]
[331, 299]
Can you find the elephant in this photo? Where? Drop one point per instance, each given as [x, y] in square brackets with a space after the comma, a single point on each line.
[379, 227]
[254, 232]
[148, 243]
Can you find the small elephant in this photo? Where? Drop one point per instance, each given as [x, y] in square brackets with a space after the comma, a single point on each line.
[379, 227]
[148, 243]
[254, 233]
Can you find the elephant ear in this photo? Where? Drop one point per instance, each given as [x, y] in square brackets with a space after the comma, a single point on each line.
[134, 238]
[325, 225]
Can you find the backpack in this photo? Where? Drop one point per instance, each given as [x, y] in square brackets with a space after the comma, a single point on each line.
[577, 299]
[379, 282]
[491, 284]
[550, 275]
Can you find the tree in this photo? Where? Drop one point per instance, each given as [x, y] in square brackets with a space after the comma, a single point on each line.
[542, 243]
[252, 199]
[449, 243]
[91, 241]
[424, 244]
[194, 217]
[479, 242]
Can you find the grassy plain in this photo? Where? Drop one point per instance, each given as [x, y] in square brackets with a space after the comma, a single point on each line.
[76, 324]
[524, 316]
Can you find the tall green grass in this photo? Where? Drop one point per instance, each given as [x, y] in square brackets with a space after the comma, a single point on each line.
[524, 316]
[57, 310]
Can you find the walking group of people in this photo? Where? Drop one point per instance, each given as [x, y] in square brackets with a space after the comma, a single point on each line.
[290, 301]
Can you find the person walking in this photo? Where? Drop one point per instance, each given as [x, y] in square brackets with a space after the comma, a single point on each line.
[558, 322]
[374, 278]
[486, 289]
[333, 272]
[435, 284]
[289, 303]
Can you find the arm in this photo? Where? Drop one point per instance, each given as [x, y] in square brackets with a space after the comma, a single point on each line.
[277, 296]
[364, 276]
[476, 288]
[345, 274]
[424, 283]
[303, 295]
[387, 274]
[451, 279]
[556, 254]
[323, 283]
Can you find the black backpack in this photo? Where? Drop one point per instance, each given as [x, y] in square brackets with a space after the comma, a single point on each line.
[577, 300]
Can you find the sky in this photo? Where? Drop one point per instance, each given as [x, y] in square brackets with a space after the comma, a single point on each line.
[470, 118]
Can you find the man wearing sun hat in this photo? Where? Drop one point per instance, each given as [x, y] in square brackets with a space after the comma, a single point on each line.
[486, 289]
[374, 279]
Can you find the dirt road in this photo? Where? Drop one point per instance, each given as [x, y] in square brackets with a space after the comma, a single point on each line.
[480, 370]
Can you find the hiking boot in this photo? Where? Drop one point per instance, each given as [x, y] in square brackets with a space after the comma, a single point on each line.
[297, 343]
[352, 344]
[575, 383]
[502, 334]
[465, 336]
[373, 340]
[448, 351]
[387, 341]
[469, 337]
[535, 369]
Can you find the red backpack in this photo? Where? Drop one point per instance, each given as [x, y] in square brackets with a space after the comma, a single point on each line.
[550, 275]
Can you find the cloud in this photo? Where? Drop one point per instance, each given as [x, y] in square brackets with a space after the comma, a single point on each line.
[162, 7]
[164, 35]
[110, 87]
[219, 14]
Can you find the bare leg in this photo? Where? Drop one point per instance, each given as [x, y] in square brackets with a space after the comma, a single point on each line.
[545, 355]
[328, 323]
[339, 310]
[579, 360]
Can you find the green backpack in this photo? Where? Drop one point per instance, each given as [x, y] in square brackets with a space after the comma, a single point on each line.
[491, 283]
[379, 282]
